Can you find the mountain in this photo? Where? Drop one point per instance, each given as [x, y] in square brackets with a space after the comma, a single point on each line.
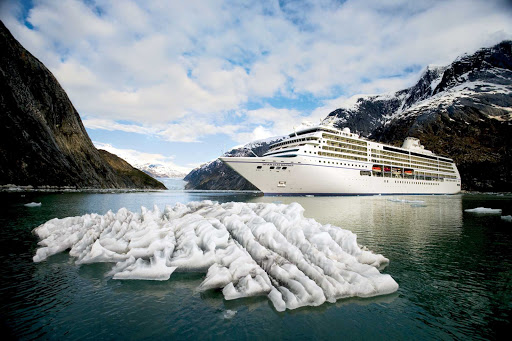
[130, 175]
[463, 111]
[160, 171]
[215, 175]
[42, 139]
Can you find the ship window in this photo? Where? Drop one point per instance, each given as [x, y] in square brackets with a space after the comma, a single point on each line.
[272, 167]
[284, 168]
[278, 167]
[259, 167]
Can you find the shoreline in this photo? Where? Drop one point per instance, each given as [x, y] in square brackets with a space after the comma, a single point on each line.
[68, 189]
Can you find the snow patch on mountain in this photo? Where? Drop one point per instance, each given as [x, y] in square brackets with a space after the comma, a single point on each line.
[161, 171]
[482, 81]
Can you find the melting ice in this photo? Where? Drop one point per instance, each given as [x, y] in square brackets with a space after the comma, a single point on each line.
[245, 249]
[484, 210]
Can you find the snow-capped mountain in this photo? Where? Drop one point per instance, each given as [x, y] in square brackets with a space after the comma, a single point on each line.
[463, 110]
[482, 81]
[160, 171]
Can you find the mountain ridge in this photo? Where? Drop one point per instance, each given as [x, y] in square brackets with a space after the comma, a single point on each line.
[462, 110]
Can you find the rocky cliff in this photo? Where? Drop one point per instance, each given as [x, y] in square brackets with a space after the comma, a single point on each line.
[135, 178]
[463, 110]
[42, 139]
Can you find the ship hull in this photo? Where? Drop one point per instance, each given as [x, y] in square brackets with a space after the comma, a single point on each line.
[305, 176]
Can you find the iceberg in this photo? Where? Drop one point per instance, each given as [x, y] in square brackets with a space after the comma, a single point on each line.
[245, 249]
[507, 218]
[229, 314]
[33, 204]
[484, 210]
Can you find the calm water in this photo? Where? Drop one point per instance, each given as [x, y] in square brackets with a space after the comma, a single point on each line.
[454, 270]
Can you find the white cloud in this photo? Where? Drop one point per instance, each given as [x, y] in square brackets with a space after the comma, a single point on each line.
[189, 130]
[177, 69]
[135, 157]
[104, 124]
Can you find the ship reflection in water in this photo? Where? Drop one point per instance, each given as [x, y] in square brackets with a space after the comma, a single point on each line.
[418, 217]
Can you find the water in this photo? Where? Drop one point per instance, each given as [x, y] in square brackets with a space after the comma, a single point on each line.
[454, 270]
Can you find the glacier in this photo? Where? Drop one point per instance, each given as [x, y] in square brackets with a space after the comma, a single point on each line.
[245, 249]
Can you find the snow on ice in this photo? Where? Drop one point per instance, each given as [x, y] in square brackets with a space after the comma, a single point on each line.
[507, 218]
[484, 210]
[229, 314]
[245, 249]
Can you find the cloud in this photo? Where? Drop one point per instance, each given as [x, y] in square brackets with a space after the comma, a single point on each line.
[135, 157]
[180, 69]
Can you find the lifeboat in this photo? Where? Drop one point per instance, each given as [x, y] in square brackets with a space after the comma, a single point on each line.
[376, 168]
[408, 171]
[387, 169]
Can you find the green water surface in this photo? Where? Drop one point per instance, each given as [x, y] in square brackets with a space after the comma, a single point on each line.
[454, 270]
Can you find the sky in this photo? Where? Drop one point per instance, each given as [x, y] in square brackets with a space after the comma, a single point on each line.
[180, 82]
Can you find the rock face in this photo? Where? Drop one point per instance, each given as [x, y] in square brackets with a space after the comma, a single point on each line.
[215, 175]
[135, 178]
[463, 111]
[42, 139]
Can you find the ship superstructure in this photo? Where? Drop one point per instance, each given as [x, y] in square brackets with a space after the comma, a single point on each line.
[325, 160]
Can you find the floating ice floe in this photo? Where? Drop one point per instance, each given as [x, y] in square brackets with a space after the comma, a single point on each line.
[484, 210]
[414, 203]
[229, 314]
[406, 201]
[507, 218]
[245, 249]
[33, 204]
[419, 204]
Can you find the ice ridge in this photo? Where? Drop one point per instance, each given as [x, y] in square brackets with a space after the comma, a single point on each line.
[245, 249]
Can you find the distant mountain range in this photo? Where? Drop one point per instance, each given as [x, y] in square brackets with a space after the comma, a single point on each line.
[463, 110]
[43, 142]
[160, 171]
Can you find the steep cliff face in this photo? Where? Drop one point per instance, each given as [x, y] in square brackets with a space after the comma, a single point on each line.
[42, 139]
[463, 110]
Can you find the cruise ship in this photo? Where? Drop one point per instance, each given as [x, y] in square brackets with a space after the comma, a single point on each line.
[325, 160]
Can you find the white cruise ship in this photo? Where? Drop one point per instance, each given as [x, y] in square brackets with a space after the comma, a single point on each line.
[324, 160]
